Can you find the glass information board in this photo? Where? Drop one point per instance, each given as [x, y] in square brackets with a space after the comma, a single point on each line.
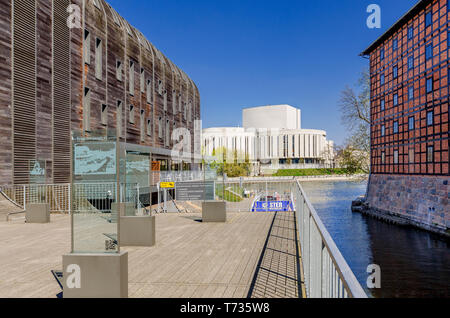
[94, 195]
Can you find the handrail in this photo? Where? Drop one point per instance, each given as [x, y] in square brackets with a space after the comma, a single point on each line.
[324, 282]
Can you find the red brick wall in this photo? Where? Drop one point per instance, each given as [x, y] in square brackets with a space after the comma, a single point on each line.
[415, 141]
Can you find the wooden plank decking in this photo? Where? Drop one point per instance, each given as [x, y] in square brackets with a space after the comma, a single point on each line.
[191, 259]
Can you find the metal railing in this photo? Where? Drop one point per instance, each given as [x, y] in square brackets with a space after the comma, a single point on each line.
[326, 273]
[56, 195]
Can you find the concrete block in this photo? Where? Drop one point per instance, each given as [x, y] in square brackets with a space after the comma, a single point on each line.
[137, 231]
[95, 275]
[214, 211]
[37, 213]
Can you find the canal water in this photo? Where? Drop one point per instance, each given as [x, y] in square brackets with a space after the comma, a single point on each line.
[413, 263]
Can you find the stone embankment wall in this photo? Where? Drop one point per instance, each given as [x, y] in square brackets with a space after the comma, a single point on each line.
[421, 201]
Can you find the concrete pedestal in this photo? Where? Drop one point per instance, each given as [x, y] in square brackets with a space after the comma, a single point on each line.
[214, 211]
[95, 275]
[137, 231]
[37, 213]
[121, 209]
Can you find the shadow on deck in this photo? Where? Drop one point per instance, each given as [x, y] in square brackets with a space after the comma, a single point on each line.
[277, 274]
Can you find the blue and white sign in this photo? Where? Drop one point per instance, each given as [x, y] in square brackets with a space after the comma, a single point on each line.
[272, 206]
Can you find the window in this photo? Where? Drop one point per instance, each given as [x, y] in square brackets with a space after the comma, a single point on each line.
[87, 109]
[167, 141]
[430, 118]
[149, 127]
[395, 99]
[429, 85]
[410, 33]
[395, 71]
[119, 118]
[428, 19]
[383, 130]
[383, 157]
[395, 44]
[180, 102]
[410, 93]
[119, 70]
[131, 77]
[382, 54]
[142, 80]
[160, 127]
[410, 63]
[165, 100]
[142, 125]
[429, 52]
[87, 47]
[383, 105]
[115, 16]
[395, 156]
[98, 59]
[104, 115]
[160, 87]
[411, 155]
[395, 127]
[430, 154]
[382, 79]
[174, 102]
[411, 123]
[131, 114]
[149, 91]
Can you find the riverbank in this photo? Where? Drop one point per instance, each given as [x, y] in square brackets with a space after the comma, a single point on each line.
[361, 206]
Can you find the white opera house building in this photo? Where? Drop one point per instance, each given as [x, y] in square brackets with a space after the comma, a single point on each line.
[271, 139]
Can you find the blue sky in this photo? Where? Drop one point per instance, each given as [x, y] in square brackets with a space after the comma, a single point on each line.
[244, 53]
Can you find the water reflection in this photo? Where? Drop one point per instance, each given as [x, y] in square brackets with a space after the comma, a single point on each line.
[413, 263]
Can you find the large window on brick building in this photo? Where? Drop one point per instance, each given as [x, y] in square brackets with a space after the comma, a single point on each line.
[429, 85]
[430, 154]
[383, 105]
[382, 54]
[382, 79]
[411, 123]
[383, 157]
[395, 127]
[430, 118]
[395, 44]
[410, 93]
[410, 63]
[395, 99]
[410, 33]
[395, 71]
[396, 157]
[383, 130]
[429, 51]
[428, 19]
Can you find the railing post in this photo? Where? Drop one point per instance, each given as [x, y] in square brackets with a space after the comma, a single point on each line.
[24, 198]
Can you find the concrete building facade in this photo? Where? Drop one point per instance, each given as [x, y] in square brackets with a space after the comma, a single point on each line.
[77, 65]
[409, 73]
[272, 139]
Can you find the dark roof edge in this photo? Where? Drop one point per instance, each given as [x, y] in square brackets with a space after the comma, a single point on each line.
[413, 11]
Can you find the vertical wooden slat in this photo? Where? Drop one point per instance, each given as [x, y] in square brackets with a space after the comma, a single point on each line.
[24, 87]
[61, 93]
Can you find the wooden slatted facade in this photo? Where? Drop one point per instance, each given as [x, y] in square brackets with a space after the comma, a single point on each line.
[44, 79]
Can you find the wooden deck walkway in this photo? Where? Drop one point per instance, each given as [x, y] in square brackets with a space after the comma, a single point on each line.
[278, 272]
[191, 259]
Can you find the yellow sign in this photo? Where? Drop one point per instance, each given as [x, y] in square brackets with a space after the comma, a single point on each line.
[167, 185]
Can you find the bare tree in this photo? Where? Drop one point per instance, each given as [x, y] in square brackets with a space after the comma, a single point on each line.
[355, 112]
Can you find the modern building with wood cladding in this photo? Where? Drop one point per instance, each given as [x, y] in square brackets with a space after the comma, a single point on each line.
[409, 73]
[59, 77]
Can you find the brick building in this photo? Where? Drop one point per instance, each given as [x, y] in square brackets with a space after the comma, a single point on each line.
[102, 74]
[409, 73]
